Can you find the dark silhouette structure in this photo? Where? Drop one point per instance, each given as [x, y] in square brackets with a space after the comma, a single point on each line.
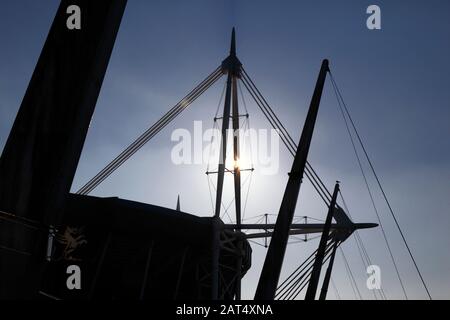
[40, 158]
[127, 249]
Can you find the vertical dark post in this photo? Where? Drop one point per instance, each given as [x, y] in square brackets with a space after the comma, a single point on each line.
[237, 169]
[42, 151]
[223, 146]
[41, 154]
[180, 272]
[146, 270]
[220, 178]
[232, 66]
[225, 125]
[306, 235]
[215, 257]
[270, 273]
[239, 266]
[178, 204]
[326, 280]
[100, 265]
[265, 238]
[320, 256]
[235, 70]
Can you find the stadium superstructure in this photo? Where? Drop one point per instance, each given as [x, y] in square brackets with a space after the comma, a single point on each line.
[150, 251]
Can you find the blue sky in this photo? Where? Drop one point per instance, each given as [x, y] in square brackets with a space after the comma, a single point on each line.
[394, 80]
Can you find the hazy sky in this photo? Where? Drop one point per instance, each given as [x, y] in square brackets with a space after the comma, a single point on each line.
[395, 82]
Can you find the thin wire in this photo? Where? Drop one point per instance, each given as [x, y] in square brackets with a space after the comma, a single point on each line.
[369, 191]
[210, 192]
[382, 191]
[297, 278]
[335, 289]
[359, 243]
[246, 197]
[307, 280]
[150, 133]
[220, 100]
[252, 241]
[285, 137]
[350, 273]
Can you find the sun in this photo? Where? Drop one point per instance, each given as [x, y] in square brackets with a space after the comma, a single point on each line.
[240, 163]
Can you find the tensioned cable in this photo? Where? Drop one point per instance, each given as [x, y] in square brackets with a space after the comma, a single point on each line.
[246, 126]
[213, 137]
[381, 188]
[336, 291]
[293, 275]
[368, 189]
[308, 278]
[359, 243]
[286, 133]
[151, 132]
[285, 137]
[159, 125]
[137, 144]
[288, 142]
[301, 240]
[350, 274]
[290, 285]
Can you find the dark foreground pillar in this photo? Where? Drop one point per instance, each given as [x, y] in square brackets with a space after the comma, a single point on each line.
[41, 155]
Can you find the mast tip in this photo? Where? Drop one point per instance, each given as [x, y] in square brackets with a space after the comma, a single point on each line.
[233, 42]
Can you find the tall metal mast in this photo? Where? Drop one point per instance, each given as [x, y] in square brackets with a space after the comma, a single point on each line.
[41, 155]
[320, 256]
[270, 273]
[232, 66]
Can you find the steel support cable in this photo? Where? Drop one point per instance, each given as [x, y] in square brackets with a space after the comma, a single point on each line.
[301, 276]
[364, 260]
[125, 155]
[151, 132]
[308, 165]
[336, 291]
[360, 243]
[302, 240]
[246, 126]
[350, 274]
[306, 281]
[294, 282]
[368, 189]
[295, 273]
[308, 278]
[381, 188]
[286, 142]
[213, 137]
[268, 108]
[144, 138]
[328, 255]
[286, 138]
[289, 143]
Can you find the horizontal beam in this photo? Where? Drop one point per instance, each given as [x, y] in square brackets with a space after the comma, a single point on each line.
[298, 229]
[304, 226]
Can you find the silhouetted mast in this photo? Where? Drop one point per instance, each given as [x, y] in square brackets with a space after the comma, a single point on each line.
[270, 273]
